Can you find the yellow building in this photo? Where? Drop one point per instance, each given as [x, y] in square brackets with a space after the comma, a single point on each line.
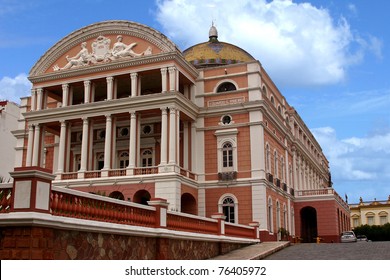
[370, 212]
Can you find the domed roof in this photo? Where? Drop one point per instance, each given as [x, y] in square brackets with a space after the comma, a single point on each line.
[215, 53]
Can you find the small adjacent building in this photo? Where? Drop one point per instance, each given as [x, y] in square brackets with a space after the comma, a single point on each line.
[117, 109]
[9, 117]
[371, 213]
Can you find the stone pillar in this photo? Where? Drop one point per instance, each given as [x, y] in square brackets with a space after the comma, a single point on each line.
[186, 146]
[108, 143]
[31, 189]
[164, 136]
[87, 91]
[65, 95]
[172, 78]
[163, 80]
[33, 99]
[172, 135]
[132, 140]
[30, 142]
[39, 98]
[110, 87]
[256, 233]
[134, 84]
[84, 148]
[161, 206]
[221, 222]
[37, 141]
[61, 149]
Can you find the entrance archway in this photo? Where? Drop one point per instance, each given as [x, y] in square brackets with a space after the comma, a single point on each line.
[188, 204]
[142, 197]
[117, 195]
[308, 224]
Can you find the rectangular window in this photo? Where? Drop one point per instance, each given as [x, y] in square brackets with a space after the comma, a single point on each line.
[383, 220]
[370, 220]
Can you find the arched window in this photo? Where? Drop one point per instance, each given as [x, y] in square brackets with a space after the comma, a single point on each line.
[226, 86]
[272, 100]
[123, 160]
[276, 169]
[270, 216]
[100, 161]
[227, 155]
[267, 158]
[228, 209]
[278, 214]
[147, 158]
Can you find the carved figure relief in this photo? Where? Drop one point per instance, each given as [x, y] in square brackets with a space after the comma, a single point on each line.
[101, 52]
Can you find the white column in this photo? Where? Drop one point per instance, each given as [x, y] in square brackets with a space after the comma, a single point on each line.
[178, 137]
[39, 98]
[36, 151]
[33, 99]
[134, 79]
[172, 135]
[107, 143]
[30, 141]
[61, 149]
[87, 91]
[133, 138]
[172, 78]
[84, 146]
[163, 79]
[186, 146]
[65, 95]
[110, 81]
[164, 136]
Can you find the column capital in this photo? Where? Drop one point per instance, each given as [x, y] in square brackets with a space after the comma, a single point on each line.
[33, 91]
[163, 70]
[39, 90]
[109, 79]
[108, 117]
[62, 122]
[172, 109]
[65, 86]
[133, 75]
[87, 83]
[172, 69]
[164, 109]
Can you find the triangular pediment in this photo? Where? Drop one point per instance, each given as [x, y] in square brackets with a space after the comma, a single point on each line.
[102, 43]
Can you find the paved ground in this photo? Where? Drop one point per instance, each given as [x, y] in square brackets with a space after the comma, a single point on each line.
[312, 251]
[334, 251]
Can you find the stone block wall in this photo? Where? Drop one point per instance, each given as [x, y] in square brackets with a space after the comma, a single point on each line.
[39, 243]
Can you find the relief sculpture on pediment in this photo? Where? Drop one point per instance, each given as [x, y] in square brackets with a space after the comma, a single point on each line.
[101, 53]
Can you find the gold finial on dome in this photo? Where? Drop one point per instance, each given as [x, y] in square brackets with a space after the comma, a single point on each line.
[213, 33]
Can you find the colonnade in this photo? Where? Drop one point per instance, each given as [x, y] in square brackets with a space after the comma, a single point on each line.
[169, 82]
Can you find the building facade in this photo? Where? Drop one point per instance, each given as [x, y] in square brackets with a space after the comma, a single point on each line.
[370, 213]
[9, 116]
[117, 109]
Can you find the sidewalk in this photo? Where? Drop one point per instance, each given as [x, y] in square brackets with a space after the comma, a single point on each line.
[254, 252]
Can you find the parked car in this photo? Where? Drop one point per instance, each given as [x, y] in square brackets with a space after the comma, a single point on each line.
[361, 238]
[348, 236]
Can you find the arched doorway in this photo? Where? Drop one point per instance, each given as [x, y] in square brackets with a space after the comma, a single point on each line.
[142, 197]
[188, 204]
[308, 224]
[117, 195]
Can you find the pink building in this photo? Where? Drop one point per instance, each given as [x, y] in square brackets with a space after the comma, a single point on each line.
[117, 109]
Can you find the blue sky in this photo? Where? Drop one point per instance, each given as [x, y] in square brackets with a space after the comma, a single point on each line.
[329, 58]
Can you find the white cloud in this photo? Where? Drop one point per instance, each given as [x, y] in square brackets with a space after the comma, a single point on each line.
[13, 89]
[355, 159]
[298, 44]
